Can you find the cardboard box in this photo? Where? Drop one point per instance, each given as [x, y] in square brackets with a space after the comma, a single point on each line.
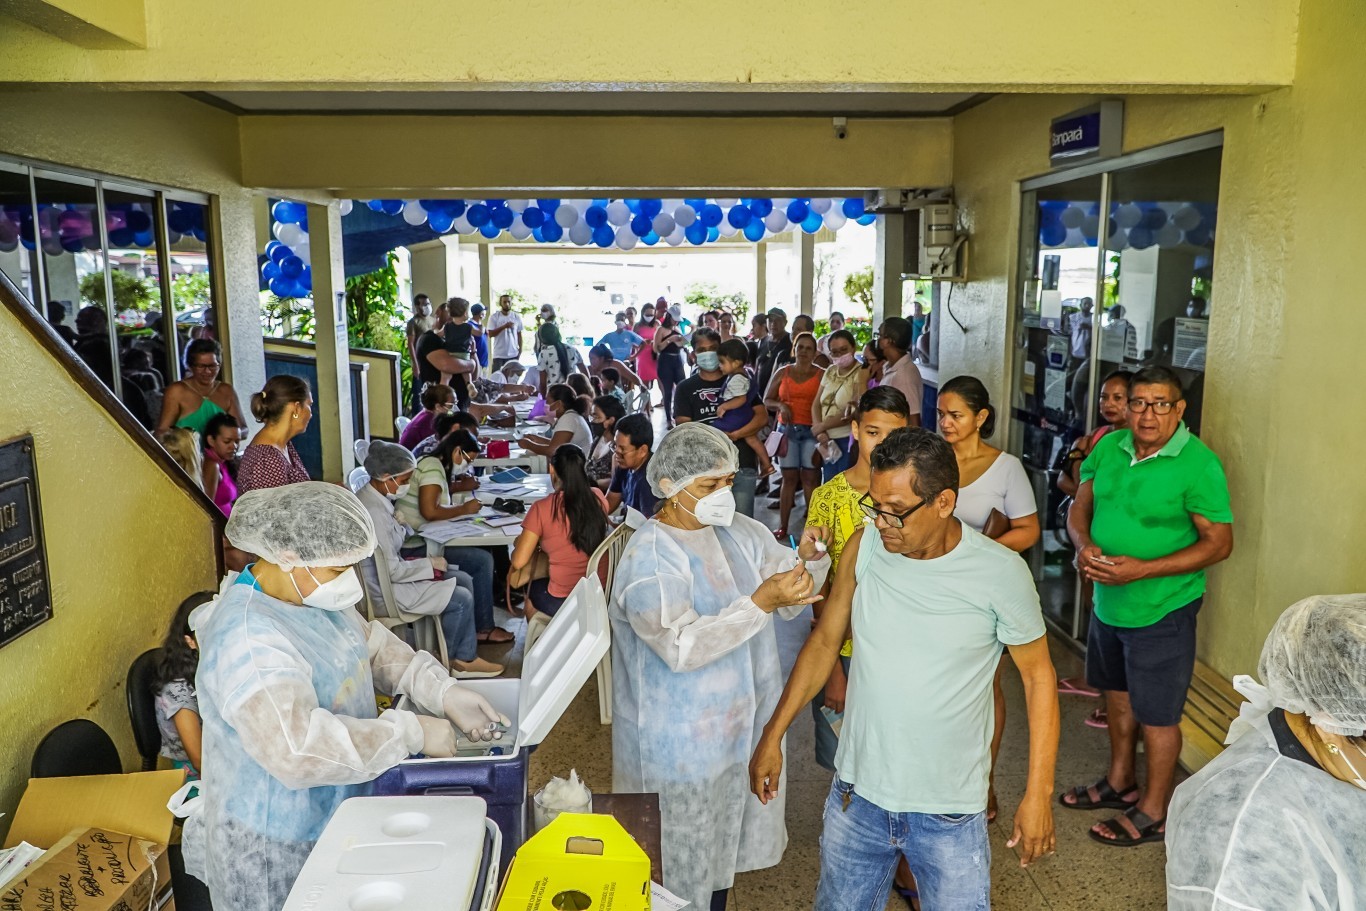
[578, 861]
[92, 869]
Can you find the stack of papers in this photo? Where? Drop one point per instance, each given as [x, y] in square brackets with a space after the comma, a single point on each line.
[503, 521]
[447, 529]
[14, 860]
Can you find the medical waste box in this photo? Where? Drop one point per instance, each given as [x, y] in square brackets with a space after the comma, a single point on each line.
[578, 861]
[414, 853]
[553, 672]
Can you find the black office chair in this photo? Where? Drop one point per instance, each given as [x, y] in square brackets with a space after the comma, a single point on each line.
[79, 747]
[142, 709]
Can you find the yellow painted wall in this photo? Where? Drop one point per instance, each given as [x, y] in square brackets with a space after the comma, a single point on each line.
[716, 43]
[1284, 340]
[124, 546]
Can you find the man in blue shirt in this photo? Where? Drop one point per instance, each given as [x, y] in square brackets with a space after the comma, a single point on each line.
[635, 437]
[481, 344]
[623, 342]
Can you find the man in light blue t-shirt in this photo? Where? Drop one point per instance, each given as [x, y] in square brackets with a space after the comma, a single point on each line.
[931, 604]
[623, 342]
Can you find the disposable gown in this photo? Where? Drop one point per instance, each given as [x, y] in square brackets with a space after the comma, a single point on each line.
[1258, 831]
[695, 678]
[287, 696]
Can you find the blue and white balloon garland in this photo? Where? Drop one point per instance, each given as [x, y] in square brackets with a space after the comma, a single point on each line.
[1139, 225]
[286, 270]
[625, 223]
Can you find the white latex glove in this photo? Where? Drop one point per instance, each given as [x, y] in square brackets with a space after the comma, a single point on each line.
[438, 563]
[438, 737]
[472, 714]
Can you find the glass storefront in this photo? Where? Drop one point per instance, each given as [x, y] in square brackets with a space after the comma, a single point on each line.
[1099, 296]
[112, 265]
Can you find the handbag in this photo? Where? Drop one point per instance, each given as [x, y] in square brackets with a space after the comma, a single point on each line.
[776, 444]
[997, 524]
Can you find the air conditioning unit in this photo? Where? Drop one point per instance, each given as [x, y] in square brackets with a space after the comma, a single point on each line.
[941, 253]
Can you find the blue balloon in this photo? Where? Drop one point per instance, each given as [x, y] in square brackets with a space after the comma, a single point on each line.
[548, 206]
[375, 205]
[495, 203]
[866, 218]
[633, 205]
[640, 225]
[695, 204]
[27, 240]
[537, 236]
[604, 236]
[503, 217]
[292, 267]
[812, 223]
[1052, 233]
[696, 233]
[279, 253]
[651, 207]
[200, 235]
[119, 237]
[1053, 205]
[144, 239]
[306, 279]
[761, 207]
[551, 231]
[440, 221]
[490, 230]
[287, 212]
[739, 216]
[391, 206]
[1196, 237]
[139, 221]
[73, 245]
[433, 205]
[852, 207]
[533, 217]
[269, 270]
[1154, 219]
[650, 239]
[713, 233]
[477, 215]
[456, 207]
[281, 287]
[595, 216]
[797, 210]
[271, 245]
[755, 230]
[1140, 238]
[179, 220]
[710, 215]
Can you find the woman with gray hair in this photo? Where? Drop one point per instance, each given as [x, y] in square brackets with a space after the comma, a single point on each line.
[1277, 821]
[695, 662]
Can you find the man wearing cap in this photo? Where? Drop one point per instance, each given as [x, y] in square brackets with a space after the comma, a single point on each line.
[505, 328]
[776, 350]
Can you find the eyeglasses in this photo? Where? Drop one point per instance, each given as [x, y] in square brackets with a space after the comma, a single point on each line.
[1138, 406]
[211, 365]
[893, 519]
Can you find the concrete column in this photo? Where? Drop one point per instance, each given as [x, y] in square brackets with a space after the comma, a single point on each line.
[332, 398]
[485, 292]
[889, 261]
[760, 279]
[236, 285]
[435, 272]
[804, 246]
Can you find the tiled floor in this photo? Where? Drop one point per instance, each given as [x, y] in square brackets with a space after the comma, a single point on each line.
[1081, 877]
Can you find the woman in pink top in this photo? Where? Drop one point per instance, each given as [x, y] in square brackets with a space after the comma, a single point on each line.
[567, 526]
[285, 407]
[647, 368]
[221, 438]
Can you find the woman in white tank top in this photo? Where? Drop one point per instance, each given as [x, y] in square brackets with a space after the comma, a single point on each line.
[989, 482]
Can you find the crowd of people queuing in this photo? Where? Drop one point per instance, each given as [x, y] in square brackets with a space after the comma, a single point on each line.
[906, 546]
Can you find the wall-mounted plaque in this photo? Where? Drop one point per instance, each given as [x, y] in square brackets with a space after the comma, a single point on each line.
[25, 595]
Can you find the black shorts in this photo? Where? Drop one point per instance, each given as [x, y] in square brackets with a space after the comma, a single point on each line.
[1153, 664]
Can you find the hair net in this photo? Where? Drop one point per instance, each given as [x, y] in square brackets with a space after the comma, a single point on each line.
[690, 451]
[307, 524]
[386, 460]
[1314, 662]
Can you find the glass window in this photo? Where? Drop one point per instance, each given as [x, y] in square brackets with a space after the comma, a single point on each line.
[135, 272]
[16, 233]
[187, 226]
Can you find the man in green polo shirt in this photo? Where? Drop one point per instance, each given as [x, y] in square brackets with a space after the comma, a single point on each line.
[1152, 512]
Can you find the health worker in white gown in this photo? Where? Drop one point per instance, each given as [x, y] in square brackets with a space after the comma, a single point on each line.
[286, 682]
[695, 662]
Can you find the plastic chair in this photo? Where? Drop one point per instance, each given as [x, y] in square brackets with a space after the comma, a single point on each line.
[357, 479]
[79, 747]
[142, 709]
[426, 628]
[609, 553]
[401, 422]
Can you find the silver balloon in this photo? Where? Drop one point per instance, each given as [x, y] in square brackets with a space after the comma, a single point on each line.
[566, 216]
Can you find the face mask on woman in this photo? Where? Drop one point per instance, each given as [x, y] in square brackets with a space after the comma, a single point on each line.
[716, 508]
[335, 595]
[843, 362]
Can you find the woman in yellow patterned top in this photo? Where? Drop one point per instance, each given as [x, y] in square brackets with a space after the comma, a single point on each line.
[834, 505]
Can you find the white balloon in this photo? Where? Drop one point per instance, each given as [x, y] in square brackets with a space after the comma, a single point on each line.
[303, 250]
[618, 213]
[727, 229]
[626, 238]
[581, 205]
[726, 203]
[676, 238]
[668, 205]
[1168, 236]
[834, 219]
[1072, 217]
[821, 205]
[581, 233]
[413, 213]
[684, 216]
[519, 230]
[1128, 215]
[663, 224]
[1187, 218]
[462, 225]
[566, 216]
[782, 203]
[1090, 225]
[344, 206]
[518, 205]
[1117, 241]
[776, 221]
[289, 235]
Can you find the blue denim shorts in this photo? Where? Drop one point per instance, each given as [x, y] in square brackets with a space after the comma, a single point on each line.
[801, 447]
[1153, 664]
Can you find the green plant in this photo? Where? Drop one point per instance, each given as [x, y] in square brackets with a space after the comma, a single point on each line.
[860, 327]
[858, 287]
[707, 296]
[287, 317]
[375, 318]
[191, 291]
[520, 304]
[130, 291]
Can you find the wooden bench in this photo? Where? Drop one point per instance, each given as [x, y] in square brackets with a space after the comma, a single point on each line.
[1211, 705]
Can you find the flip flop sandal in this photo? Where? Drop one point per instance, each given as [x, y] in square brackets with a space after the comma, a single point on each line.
[491, 636]
[1074, 686]
[1097, 719]
[1099, 796]
[1148, 829]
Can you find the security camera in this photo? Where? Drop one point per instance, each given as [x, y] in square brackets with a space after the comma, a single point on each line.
[841, 127]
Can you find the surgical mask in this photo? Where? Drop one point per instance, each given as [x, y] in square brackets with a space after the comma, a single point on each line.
[402, 489]
[621, 324]
[335, 595]
[709, 360]
[716, 508]
[843, 362]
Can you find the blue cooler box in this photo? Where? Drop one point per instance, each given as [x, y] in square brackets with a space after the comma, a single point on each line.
[553, 672]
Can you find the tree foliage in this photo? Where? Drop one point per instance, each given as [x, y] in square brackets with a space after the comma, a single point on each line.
[707, 296]
[858, 287]
[131, 292]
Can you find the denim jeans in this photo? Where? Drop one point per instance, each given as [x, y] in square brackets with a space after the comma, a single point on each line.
[457, 620]
[477, 563]
[827, 741]
[861, 842]
[746, 480]
[830, 469]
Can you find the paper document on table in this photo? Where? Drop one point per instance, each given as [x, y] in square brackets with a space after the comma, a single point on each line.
[503, 521]
[500, 488]
[661, 899]
[447, 529]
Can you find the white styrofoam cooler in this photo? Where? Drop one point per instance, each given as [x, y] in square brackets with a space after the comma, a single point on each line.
[414, 853]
